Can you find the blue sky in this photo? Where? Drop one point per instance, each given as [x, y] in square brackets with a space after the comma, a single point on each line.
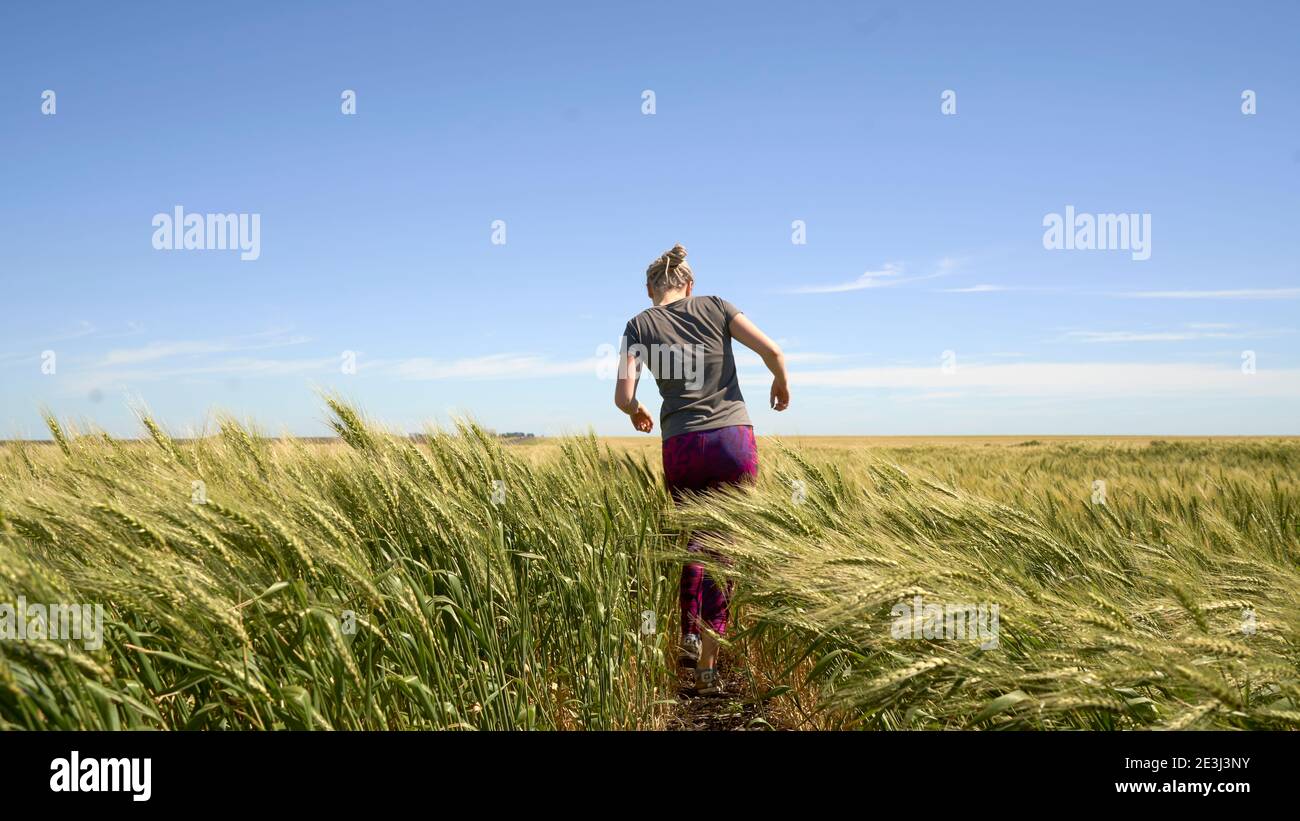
[924, 230]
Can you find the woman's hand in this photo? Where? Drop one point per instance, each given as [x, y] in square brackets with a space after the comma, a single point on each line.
[641, 419]
[780, 396]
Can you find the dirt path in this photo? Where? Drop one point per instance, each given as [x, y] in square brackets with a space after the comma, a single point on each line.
[736, 708]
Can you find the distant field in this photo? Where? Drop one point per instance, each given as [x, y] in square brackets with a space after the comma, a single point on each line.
[464, 581]
[905, 447]
[894, 442]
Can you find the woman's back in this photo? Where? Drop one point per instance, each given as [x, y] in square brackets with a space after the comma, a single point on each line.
[686, 344]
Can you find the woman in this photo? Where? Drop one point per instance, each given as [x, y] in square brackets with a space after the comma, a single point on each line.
[708, 440]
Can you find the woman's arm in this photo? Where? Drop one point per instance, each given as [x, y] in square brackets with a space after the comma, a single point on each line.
[625, 395]
[751, 337]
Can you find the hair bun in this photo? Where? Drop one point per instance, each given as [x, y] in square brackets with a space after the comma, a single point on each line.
[670, 270]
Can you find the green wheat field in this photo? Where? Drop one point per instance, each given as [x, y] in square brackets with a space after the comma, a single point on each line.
[461, 581]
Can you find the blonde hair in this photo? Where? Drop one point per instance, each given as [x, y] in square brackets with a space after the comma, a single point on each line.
[670, 271]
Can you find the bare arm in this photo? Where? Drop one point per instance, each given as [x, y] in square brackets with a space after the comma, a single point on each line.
[625, 395]
[748, 334]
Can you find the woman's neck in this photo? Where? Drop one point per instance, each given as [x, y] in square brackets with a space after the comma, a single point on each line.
[669, 296]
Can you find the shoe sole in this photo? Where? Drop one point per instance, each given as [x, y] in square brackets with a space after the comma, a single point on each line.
[691, 692]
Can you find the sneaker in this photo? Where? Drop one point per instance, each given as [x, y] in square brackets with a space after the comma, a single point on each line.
[707, 682]
[689, 650]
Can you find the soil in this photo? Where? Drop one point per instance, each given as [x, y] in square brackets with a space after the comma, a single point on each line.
[735, 708]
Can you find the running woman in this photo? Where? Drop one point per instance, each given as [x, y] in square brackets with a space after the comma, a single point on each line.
[708, 439]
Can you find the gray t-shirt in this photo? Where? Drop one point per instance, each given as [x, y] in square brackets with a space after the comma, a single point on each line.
[687, 346]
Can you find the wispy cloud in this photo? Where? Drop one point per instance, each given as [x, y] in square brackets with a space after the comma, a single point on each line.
[1140, 337]
[493, 366]
[187, 360]
[83, 328]
[1145, 336]
[889, 275]
[132, 329]
[1238, 293]
[982, 288]
[243, 367]
[165, 350]
[930, 396]
[1108, 380]
[126, 368]
[747, 358]
[537, 366]
[1192, 332]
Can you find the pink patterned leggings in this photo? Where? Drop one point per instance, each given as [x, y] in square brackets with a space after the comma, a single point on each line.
[699, 461]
